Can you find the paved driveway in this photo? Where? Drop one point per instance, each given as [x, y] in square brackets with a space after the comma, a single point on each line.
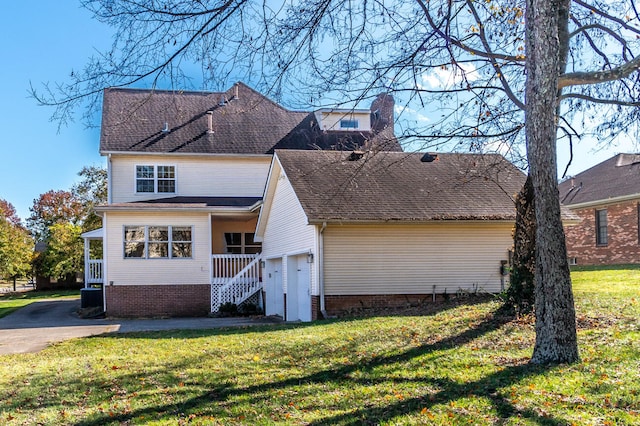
[35, 326]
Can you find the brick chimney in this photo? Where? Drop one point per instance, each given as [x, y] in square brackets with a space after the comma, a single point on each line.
[382, 112]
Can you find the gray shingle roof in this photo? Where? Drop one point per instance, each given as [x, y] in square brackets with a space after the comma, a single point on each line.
[243, 122]
[618, 176]
[393, 186]
[185, 203]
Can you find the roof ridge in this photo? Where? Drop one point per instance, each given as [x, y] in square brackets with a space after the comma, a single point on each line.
[265, 97]
[161, 91]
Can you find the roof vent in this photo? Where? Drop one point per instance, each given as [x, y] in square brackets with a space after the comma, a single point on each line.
[210, 122]
[355, 155]
[428, 157]
[166, 128]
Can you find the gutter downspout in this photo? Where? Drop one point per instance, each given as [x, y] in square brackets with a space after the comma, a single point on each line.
[321, 269]
[109, 179]
[105, 276]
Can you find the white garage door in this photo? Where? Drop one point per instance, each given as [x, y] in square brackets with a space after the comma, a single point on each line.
[274, 294]
[298, 289]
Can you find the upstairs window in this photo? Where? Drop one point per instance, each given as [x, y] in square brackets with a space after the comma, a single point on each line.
[349, 124]
[145, 181]
[602, 237]
[155, 179]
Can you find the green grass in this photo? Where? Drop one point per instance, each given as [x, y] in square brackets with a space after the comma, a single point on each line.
[459, 365]
[10, 302]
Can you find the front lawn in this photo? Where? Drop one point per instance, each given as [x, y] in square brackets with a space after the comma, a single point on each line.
[10, 302]
[460, 365]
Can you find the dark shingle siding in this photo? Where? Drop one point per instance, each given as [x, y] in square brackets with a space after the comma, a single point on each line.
[393, 186]
[618, 176]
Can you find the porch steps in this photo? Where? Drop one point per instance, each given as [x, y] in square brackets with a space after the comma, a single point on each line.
[236, 289]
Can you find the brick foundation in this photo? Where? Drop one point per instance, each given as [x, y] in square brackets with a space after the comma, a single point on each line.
[158, 300]
[315, 308]
[344, 305]
[622, 228]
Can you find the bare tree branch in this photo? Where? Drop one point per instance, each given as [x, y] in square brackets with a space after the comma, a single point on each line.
[600, 101]
[597, 77]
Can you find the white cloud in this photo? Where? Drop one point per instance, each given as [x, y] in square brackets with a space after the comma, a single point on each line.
[497, 147]
[442, 78]
[410, 114]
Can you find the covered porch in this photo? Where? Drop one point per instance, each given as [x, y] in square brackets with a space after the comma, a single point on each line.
[234, 262]
[93, 264]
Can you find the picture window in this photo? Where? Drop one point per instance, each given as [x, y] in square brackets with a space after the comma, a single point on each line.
[153, 242]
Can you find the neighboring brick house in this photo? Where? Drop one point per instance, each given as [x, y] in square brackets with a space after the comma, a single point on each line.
[606, 197]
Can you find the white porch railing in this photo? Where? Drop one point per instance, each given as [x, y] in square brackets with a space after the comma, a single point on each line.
[234, 278]
[93, 271]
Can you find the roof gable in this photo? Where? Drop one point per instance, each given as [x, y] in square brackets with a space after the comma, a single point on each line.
[393, 186]
[619, 176]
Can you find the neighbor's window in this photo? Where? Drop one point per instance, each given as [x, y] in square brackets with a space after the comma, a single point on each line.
[155, 179]
[241, 243]
[153, 242]
[348, 124]
[602, 237]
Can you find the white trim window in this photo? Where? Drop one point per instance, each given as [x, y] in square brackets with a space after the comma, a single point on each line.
[155, 179]
[153, 242]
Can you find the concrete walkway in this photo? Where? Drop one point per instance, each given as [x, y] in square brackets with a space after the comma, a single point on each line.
[35, 326]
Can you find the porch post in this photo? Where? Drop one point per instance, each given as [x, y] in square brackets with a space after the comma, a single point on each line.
[86, 262]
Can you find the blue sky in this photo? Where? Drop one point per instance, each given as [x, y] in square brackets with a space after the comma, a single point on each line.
[43, 41]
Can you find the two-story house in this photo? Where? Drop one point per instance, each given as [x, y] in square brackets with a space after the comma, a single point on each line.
[226, 197]
[186, 176]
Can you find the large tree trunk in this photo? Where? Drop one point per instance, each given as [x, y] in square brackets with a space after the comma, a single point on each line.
[556, 339]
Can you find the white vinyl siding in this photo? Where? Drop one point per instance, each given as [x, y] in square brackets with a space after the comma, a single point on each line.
[176, 270]
[411, 259]
[336, 120]
[287, 231]
[194, 176]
